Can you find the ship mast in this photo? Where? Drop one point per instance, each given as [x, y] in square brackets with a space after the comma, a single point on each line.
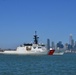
[36, 38]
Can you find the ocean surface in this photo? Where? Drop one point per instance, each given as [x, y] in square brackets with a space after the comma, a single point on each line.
[38, 64]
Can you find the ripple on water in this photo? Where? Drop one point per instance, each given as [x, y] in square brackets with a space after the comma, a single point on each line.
[37, 65]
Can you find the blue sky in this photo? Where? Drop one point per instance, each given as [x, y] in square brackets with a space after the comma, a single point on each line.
[53, 19]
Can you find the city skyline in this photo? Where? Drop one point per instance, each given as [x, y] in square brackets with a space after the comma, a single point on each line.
[19, 20]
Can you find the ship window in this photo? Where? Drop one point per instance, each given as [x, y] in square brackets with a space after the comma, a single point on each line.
[28, 48]
[34, 47]
[43, 45]
[39, 47]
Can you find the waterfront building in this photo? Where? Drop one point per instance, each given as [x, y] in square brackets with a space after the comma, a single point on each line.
[74, 46]
[60, 45]
[48, 44]
[66, 46]
[71, 40]
[53, 45]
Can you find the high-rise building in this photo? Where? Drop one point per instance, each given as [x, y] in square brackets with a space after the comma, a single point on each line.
[66, 46]
[75, 42]
[71, 41]
[75, 46]
[52, 45]
[48, 44]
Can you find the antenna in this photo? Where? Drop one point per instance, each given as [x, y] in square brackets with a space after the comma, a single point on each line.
[35, 32]
[36, 38]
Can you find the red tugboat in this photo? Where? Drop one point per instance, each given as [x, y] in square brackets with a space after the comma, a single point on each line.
[51, 51]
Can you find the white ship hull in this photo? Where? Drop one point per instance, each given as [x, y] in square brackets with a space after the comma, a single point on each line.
[25, 53]
[59, 52]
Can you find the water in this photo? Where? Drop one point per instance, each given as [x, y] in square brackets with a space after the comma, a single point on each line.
[38, 65]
